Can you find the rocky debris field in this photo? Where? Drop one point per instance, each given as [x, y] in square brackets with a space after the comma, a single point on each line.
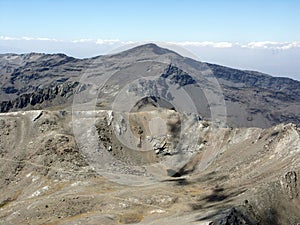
[52, 172]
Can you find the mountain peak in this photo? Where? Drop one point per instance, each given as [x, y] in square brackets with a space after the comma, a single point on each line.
[148, 45]
[147, 49]
[155, 48]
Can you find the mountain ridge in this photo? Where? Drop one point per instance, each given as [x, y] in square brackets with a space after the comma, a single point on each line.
[251, 91]
[148, 46]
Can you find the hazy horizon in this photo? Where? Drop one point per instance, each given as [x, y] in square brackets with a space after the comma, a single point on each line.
[276, 59]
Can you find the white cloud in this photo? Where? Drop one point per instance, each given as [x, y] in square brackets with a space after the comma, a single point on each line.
[272, 45]
[45, 39]
[251, 45]
[82, 40]
[204, 44]
[103, 41]
[6, 38]
[291, 45]
[108, 41]
[262, 44]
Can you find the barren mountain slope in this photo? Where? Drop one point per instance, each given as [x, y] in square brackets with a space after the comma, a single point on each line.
[232, 176]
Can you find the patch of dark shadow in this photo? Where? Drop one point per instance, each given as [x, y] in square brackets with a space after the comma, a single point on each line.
[181, 172]
[255, 111]
[39, 116]
[231, 216]
[173, 173]
[212, 176]
[6, 201]
[10, 90]
[210, 216]
[270, 216]
[179, 182]
[275, 133]
[61, 80]
[217, 190]
[220, 194]
[42, 69]
[174, 128]
[216, 200]
[197, 206]
[153, 101]
[216, 197]
[72, 69]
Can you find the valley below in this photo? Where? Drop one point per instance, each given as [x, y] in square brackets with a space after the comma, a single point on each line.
[234, 176]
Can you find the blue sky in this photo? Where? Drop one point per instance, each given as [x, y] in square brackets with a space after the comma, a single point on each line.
[163, 20]
[255, 35]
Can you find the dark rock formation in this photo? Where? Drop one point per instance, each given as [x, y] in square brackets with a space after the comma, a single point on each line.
[65, 90]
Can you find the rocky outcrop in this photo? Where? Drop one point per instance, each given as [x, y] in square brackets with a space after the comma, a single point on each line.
[252, 79]
[175, 75]
[290, 184]
[41, 96]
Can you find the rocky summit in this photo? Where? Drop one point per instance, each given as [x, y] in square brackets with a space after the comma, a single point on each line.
[146, 136]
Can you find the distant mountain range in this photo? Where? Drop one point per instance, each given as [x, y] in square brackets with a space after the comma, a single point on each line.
[153, 74]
